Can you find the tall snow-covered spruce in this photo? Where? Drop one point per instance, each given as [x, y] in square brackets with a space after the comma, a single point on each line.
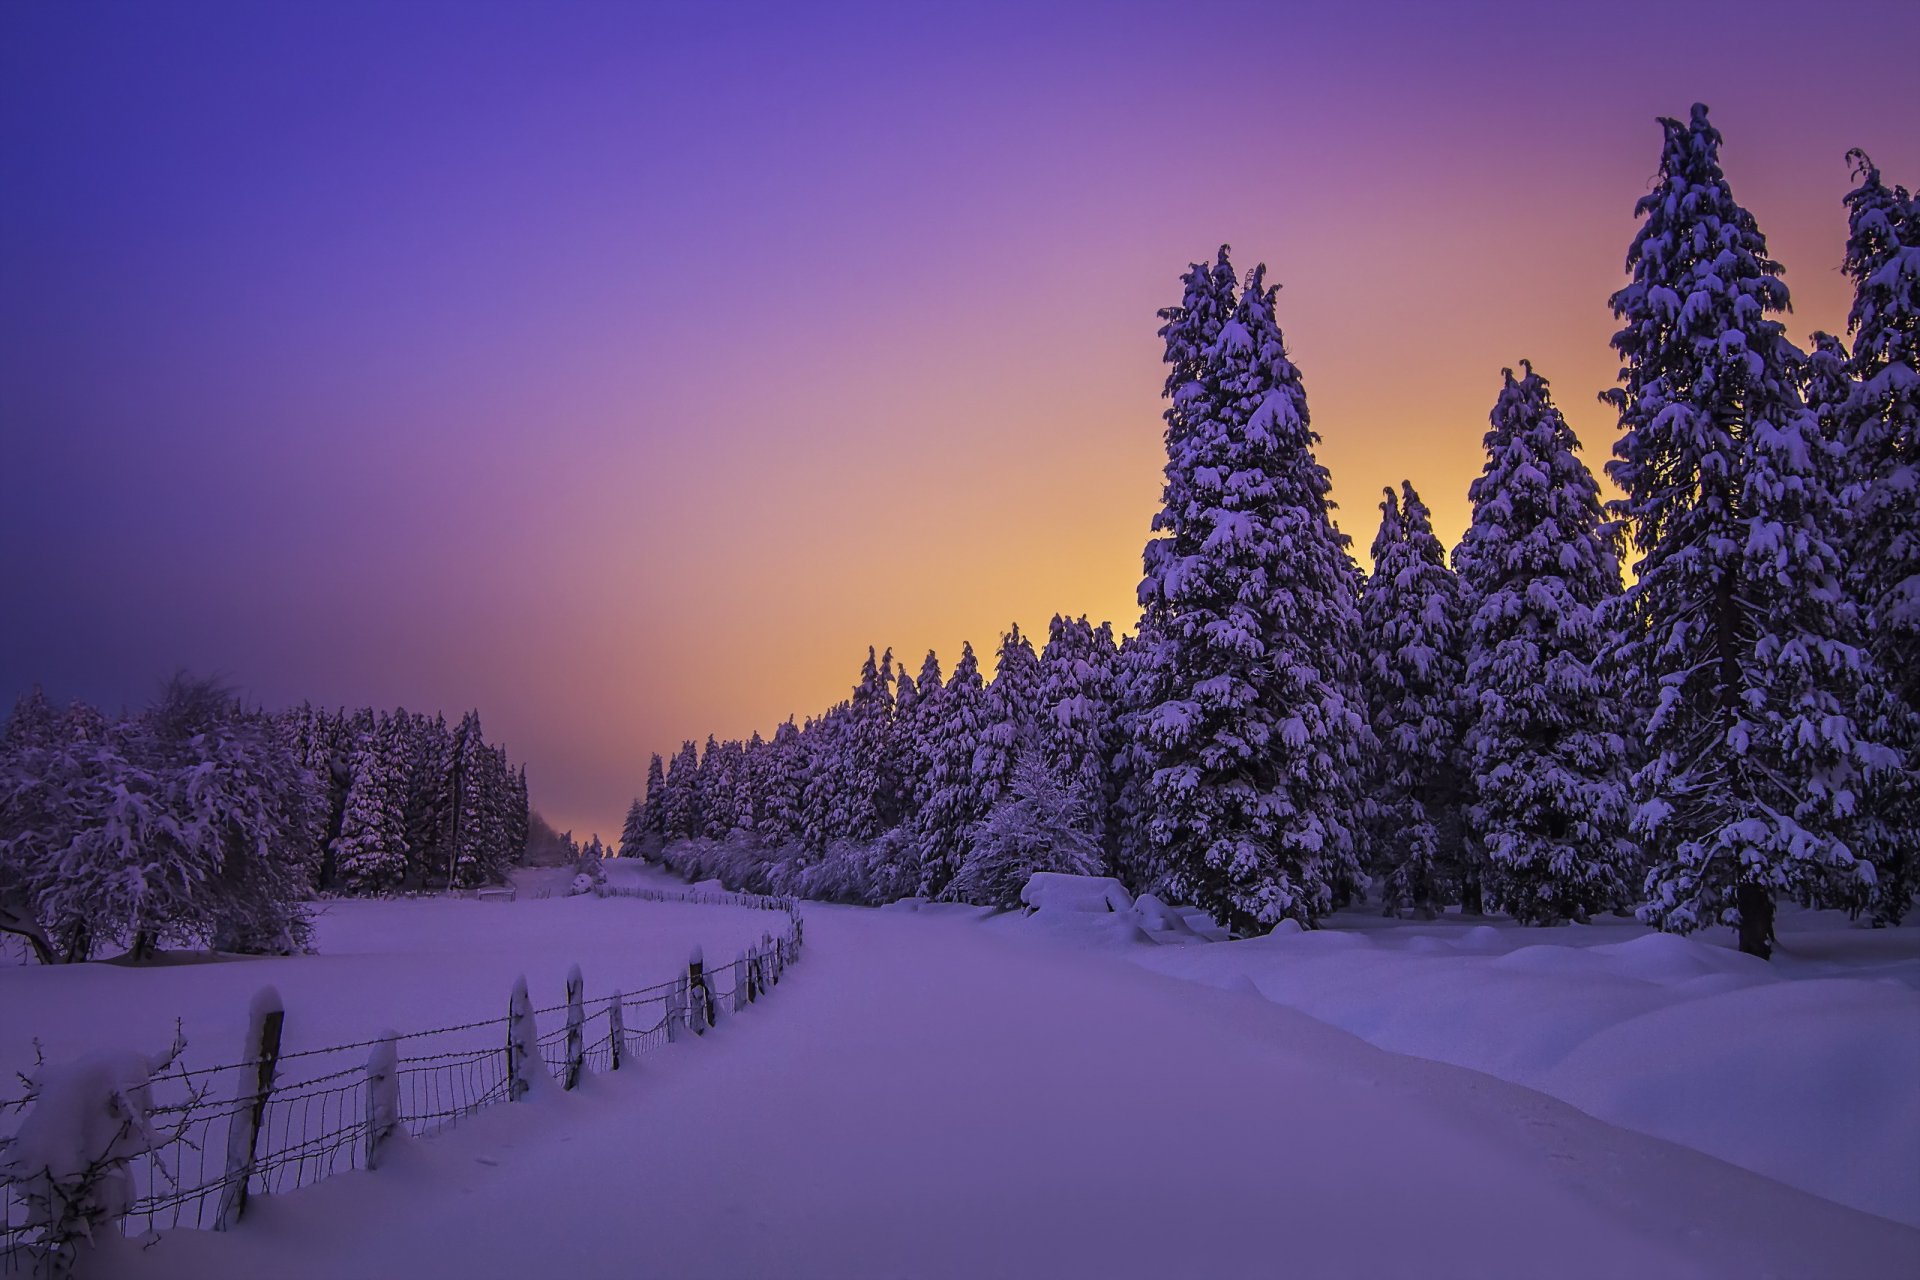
[1411, 617]
[1545, 719]
[1256, 742]
[1881, 422]
[1757, 768]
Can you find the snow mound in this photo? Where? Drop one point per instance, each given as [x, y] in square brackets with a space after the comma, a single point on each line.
[1811, 1083]
[1057, 891]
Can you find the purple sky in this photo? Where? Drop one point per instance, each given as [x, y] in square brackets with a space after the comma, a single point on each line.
[625, 370]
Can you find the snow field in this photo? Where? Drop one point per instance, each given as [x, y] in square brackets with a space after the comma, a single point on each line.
[927, 1097]
[1805, 1069]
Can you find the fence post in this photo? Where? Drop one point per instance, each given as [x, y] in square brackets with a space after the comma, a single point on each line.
[523, 1043]
[265, 1018]
[740, 982]
[699, 995]
[383, 1097]
[676, 1004]
[616, 1032]
[576, 1027]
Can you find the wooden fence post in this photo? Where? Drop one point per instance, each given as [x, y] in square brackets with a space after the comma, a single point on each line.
[265, 1017]
[699, 994]
[523, 1043]
[616, 1032]
[383, 1097]
[740, 982]
[576, 1027]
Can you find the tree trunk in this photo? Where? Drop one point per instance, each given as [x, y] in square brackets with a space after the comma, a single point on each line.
[1755, 905]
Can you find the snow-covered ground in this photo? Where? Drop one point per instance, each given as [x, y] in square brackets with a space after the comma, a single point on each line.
[405, 965]
[934, 1094]
[1805, 1068]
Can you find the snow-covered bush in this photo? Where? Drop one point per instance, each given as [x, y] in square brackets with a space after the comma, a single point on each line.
[68, 1162]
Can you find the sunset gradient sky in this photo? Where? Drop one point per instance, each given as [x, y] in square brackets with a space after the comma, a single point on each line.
[625, 370]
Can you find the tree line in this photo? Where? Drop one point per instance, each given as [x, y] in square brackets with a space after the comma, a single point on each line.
[1509, 728]
[200, 821]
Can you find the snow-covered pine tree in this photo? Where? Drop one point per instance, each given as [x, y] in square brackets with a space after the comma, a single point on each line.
[1545, 716]
[1037, 824]
[713, 791]
[654, 816]
[430, 778]
[1883, 421]
[1011, 726]
[785, 785]
[1258, 740]
[1412, 618]
[873, 775]
[826, 812]
[1075, 727]
[680, 807]
[633, 832]
[371, 850]
[950, 800]
[1139, 685]
[1738, 620]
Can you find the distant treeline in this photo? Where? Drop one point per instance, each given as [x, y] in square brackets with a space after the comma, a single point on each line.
[203, 822]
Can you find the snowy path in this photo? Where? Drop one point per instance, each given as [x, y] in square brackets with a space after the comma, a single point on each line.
[924, 1097]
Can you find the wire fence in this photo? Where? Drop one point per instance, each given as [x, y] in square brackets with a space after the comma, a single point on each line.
[317, 1112]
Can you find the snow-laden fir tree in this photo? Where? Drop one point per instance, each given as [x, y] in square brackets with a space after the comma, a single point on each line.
[826, 803]
[1258, 741]
[1037, 824]
[949, 800]
[1882, 421]
[1738, 618]
[1545, 715]
[370, 852]
[653, 822]
[1013, 701]
[1412, 618]
[680, 808]
[633, 832]
[1139, 685]
[1075, 727]
[873, 774]
[783, 787]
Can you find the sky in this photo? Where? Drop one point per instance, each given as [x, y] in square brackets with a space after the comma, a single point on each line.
[625, 370]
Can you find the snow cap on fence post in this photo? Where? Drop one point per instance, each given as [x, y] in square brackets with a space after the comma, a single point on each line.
[576, 1027]
[383, 1097]
[616, 1032]
[524, 1069]
[260, 1058]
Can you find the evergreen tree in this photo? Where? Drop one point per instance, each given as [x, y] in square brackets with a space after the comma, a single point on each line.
[1546, 720]
[1412, 617]
[371, 849]
[654, 818]
[1258, 740]
[1075, 738]
[633, 833]
[786, 779]
[1737, 619]
[950, 800]
[680, 810]
[873, 774]
[1011, 723]
[1882, 421]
